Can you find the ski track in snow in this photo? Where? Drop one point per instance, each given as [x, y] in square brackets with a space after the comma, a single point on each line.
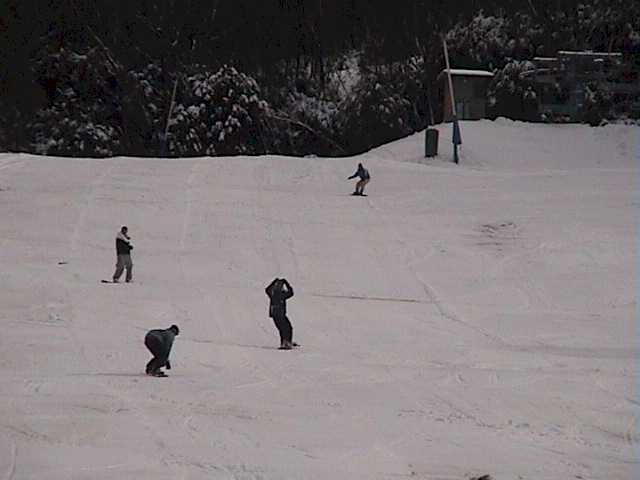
[186, 223]
[16, 163]
[89, 202]
[431, 295]
[11, 471]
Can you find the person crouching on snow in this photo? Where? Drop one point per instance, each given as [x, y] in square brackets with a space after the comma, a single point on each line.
[159, 343]
[123, 253]
[363, 173]
[278, 291]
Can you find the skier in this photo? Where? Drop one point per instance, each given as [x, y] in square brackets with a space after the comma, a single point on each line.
[363, 173]
[159, 343]
[123, 252]
[278, 291]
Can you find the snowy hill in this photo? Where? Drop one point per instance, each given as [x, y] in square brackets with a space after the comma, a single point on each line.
[458, 321]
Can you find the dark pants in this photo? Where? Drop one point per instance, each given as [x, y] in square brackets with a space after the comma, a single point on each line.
[284, 328]
[159, 352]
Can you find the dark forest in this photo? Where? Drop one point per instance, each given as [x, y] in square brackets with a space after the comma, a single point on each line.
[221, 77]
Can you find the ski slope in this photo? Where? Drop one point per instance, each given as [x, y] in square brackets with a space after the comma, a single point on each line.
[460, 320]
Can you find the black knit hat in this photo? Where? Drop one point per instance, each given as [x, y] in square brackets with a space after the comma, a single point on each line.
[175, 329]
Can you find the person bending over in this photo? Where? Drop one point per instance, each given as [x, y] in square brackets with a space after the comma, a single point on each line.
[159, 343]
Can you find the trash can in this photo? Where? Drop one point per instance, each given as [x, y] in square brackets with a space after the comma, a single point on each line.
[431, 142]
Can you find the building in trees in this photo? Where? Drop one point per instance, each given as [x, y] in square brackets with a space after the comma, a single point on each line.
[585, 86]
[470, 92]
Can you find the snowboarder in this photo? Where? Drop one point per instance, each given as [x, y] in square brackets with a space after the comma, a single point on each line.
[363, 173]
[123, 253]
[159, 343]
[278, 291]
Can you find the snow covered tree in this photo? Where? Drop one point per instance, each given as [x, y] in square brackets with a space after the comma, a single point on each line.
[311, 124]
[489, 41]
[483, 42]
[145, 109]
[511, 94]
[310, 110]
[83, 116]
[219, 114]
[375, 113]
[597, 106]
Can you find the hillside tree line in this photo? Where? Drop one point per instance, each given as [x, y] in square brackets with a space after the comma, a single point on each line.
[226, 77]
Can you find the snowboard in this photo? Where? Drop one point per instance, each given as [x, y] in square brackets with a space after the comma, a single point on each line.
[358, 194]
[294, 345]
[111, 281]
[159, 374]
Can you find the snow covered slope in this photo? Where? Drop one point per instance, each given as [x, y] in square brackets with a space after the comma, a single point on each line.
[458, 321]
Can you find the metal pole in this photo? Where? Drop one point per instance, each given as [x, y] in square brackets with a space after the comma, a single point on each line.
[457, 139]
[446, 59]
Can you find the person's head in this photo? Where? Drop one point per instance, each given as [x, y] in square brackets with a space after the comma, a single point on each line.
[359, 165]
[174, 329]
[124, 229]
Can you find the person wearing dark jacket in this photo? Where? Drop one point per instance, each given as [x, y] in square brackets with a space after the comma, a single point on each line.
[123, 253]
[279, 291]
[159, 343]
[363, 173]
